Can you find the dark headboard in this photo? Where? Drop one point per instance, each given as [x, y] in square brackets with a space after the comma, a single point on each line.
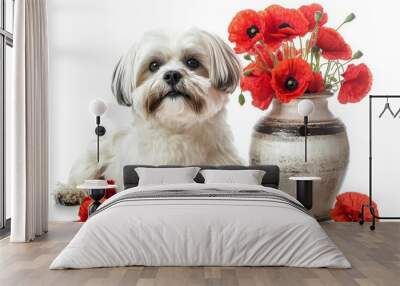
[270, 179]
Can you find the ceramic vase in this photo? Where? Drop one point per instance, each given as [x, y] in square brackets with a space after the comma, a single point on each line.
[277, 140]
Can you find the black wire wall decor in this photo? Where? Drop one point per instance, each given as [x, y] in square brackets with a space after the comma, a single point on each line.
[386, 110]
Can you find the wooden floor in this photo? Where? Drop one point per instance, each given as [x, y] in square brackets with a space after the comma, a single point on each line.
[375, 257]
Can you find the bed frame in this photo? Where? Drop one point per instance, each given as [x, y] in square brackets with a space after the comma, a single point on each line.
[270, 179]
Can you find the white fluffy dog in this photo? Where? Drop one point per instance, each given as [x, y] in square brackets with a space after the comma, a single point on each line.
[177, 88]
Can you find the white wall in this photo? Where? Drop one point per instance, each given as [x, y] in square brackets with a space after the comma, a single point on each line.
[88, 36]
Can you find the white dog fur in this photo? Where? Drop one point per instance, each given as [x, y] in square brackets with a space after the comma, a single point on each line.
[183, 127]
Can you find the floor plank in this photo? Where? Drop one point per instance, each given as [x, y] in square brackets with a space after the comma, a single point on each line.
[375, 257]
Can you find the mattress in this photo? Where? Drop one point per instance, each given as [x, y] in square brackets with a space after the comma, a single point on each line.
[201, 225]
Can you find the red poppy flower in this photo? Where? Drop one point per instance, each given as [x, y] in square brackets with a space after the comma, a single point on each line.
[317, 83]
[259, 85]
[309, 13]
[246, 29]
[279, 55]
[356, 85]
[348, 206]
[263, 57]
[282, 24]
[290, 79]
[333, 45]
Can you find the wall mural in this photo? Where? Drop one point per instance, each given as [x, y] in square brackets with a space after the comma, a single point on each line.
[177, 87]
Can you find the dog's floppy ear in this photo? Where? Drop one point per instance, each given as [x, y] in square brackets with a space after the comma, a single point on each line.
[123, 79]
[225, 66]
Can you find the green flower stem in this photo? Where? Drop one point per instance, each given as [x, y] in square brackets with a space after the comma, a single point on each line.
[338, 67]
[301, 46]
[338, 82]
[309, 49]
[324, 64]
[292, 52]
[312, 59]
[348, 19]
[317, 60]
[332, 75]
[338, 73]
[337, 29]
[312, 37]
[306, 49]
[327, 70]
[345, 63]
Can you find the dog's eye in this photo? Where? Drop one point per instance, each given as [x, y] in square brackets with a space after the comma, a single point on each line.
[154, 66]
[192, 63]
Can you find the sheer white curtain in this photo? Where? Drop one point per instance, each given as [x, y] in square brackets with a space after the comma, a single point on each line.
[28, 120]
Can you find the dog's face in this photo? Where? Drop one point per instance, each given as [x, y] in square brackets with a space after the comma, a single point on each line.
[177, 81]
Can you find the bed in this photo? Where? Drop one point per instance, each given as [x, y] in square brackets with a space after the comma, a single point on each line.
[198, 224]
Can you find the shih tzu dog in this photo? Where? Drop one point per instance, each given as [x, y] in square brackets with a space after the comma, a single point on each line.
[177, 88]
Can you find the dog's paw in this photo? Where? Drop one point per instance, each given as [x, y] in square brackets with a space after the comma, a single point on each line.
[68, 194]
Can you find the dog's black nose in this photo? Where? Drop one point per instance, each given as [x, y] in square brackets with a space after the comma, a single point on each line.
[172, 77]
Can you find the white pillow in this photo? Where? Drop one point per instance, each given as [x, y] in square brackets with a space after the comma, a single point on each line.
[165, 176]
[248, 177]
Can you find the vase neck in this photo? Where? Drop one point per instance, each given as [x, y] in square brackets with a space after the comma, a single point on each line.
[289, 111]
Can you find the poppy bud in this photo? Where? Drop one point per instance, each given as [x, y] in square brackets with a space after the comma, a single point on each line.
[315, 49]
[241, 99]
[350, 18]
[248, 72]
[357, 55]
[247, 57]
[317, 16]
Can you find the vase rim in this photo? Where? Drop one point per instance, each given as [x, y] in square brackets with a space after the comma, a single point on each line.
[323, 94]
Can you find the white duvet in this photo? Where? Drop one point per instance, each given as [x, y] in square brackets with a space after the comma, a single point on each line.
[185, 230]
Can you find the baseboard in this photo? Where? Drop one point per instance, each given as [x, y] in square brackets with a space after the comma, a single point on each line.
[5, 231]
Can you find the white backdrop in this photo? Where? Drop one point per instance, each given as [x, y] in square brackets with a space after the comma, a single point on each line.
[87, 37]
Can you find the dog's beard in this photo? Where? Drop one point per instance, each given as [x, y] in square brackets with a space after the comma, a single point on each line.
[193, 101]
[190, 92]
